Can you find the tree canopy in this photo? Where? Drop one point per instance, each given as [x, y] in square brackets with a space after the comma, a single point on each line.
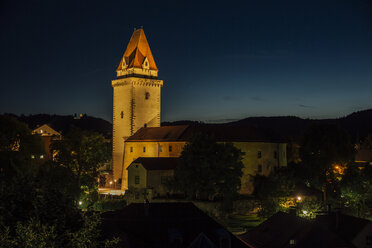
[208, 169]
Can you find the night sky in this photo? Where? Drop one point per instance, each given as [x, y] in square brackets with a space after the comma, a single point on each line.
[219, 60]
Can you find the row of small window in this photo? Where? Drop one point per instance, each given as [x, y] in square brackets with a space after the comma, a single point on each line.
[259, 154]
[160, 149]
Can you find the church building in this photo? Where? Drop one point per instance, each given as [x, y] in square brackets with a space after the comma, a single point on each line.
[137, 133]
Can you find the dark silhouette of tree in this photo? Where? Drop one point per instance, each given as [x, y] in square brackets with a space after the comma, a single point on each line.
[208, 169]
[324, 147]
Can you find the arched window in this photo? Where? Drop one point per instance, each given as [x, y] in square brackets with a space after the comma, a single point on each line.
[122, 114]
[147, 95]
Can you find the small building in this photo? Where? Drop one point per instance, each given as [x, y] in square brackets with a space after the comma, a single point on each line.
[166, 225]
[148, 177]
[48, 135]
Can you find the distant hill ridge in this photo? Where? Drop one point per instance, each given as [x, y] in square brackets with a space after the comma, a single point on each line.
[357, 124]
[62, 123]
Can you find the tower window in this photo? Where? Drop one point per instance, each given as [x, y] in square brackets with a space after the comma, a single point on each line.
[259, 154]
[259, 168]
[137, 180]
[160, 148]
[170, 148]
[145, 125]
[144, 149]
[122, 114]
[147, 95]
[131, 149]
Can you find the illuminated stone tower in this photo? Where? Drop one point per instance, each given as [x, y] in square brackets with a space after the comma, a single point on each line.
[136, 101]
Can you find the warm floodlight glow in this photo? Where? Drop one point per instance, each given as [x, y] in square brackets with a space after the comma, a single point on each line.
[110, 182]
[299, 198]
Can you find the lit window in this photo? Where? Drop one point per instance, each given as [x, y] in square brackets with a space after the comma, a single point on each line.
[131, 149]
[147, 95]
[41, 156]
[292, 242]
[136, 180]
[41, 130]
[259, 154]
[170, 148]
[32, 156]
[259, 168]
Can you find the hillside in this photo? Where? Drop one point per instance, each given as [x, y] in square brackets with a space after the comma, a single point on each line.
[62, 123]
[357, 124]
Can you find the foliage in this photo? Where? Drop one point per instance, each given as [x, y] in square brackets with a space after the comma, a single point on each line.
[324, 147]
[308, 208]
[83, 152]
[356, 188]
[208, 169]
[109, 204]
[35, 234]
[17, 140]
[34, 197]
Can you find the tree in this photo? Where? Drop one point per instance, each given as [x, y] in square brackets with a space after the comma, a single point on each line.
[208, 169]
[37, 204]
[325, 150]
[83, 152]
[356, 189]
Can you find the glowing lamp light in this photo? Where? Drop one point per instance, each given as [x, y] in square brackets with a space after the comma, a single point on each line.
[80, 202]
[299, 198]
[304, 212]
[110, 182]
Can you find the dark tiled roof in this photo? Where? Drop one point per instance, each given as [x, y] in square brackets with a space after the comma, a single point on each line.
[278, 230]
[157, 163]
[221, 132]
[150, 225]
[345, 225]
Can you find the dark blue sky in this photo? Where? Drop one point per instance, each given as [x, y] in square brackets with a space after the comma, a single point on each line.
[219, 60]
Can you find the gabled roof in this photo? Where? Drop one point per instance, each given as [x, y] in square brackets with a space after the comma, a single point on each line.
[150, 224]
[222, 133]
[45, 130]
[157, 163]
[137, 50]
[281, 228]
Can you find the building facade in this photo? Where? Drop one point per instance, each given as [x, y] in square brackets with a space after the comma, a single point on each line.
[136, 97]
[262, 153]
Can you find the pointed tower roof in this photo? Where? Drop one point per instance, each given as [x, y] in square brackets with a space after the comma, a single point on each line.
[138, 50]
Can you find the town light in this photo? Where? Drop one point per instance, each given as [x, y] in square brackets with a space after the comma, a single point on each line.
[110, 182]
[299, 198]
[304, 212]
[80, 202]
